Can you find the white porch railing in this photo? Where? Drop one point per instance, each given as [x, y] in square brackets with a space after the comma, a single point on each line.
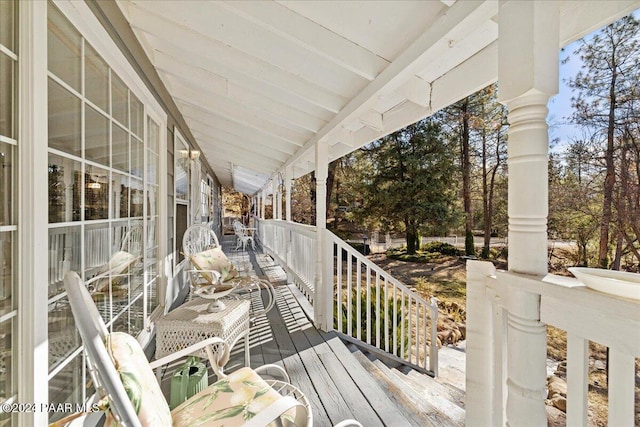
[369, 304]
[293, 246]
[585, 315]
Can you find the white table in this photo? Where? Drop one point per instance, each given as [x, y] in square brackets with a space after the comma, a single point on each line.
[191, 323]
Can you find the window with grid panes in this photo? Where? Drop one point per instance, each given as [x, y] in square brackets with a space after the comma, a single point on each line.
[8, 201]
[103, 201]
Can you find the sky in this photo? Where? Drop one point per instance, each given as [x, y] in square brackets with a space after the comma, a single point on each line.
[560, 105]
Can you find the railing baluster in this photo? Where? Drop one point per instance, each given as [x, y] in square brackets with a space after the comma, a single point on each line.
[395, 322]
[425, 344]
[409, 331]
[339, 286]
[402, 322]
[378, 316]
[368, 305]
[386, 316]
[577, 379]
[621, 388]
[359, 300]
[349, 294]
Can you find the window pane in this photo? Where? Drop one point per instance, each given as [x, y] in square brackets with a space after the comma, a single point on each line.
[137, 114]
[65, 177]
[120, 185]
[96, 139]
[119, 100]
[7, 85]
[7, 194]
[137, 198]
[63, 334]
[68, 386]
[7, 28]
[6, 272]
[96, 193]
[96, 78]
[152, 167]
[119, 148]
[97, 250]
[64, 255]
[7, 382]
[152, 200]
[181, 177]
[137, 155]
[63, 44]
[64, 120]
[153, 136]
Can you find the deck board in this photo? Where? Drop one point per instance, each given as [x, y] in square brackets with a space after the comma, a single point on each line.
[318, 363]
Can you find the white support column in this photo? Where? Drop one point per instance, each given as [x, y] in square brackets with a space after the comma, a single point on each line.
[528, 77]
[262, 204]
[279, 200]
[287, 188]
[32, 361]
[323, 301]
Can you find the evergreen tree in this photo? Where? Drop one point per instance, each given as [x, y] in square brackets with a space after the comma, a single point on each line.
[411, 181]
[606, 90]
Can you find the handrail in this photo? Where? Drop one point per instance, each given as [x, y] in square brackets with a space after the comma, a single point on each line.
[407, 331]
[372, 306]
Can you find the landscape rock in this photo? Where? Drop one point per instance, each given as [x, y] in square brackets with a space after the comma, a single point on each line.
[555, 417]
[559, 402]
[557, 387]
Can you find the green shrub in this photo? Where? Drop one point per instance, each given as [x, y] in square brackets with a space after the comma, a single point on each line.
[442, 248]
[375, 318]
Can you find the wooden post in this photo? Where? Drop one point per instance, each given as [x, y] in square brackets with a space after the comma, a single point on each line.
[528, 76]
[287, 189]
[323, 301]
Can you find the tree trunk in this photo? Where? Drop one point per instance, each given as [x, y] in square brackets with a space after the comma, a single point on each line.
[331, 174]
[412, 236]
[609, 181]
[312, 193]
[466, 177]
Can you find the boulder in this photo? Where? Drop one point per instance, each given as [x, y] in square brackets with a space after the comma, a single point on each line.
[557, 387]
[555, 417]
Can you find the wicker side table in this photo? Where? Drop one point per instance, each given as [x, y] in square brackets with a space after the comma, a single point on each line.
[191, 323]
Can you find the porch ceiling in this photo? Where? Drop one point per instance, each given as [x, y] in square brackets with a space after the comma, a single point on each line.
[260, 82]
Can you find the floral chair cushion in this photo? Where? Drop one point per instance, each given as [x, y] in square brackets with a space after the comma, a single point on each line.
[119, 264]
[139, 381]
[229, 402]
[214, 259]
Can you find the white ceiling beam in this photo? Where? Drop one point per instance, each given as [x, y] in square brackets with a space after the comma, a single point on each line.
[235, 155]
[314, 38]
[226, 137]
[216, 140]
[228, 62]
[372, 119]
[218, 23]
[236, 129]
[466, 13]
[233, 112]
[416, 90]
[212, 85]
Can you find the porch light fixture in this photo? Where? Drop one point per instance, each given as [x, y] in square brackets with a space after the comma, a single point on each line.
[194, 154]
[94, 185]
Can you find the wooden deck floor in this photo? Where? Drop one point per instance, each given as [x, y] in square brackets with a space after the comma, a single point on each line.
[319, 363]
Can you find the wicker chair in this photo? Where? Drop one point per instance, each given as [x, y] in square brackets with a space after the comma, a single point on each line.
[200, 238]
[108, 368]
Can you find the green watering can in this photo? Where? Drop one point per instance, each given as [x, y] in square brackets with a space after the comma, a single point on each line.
[189, 379]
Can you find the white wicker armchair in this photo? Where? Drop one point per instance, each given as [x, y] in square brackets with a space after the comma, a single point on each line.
[127, 390]
[197, 240]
